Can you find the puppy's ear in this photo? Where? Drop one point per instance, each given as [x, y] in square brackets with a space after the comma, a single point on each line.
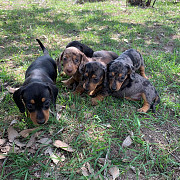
[17, 96]
[81, 48]
[105, 77]
[131, 72]
[108, 65]
[84, 60]
[59, 62]
[54, 92]
[81, 68]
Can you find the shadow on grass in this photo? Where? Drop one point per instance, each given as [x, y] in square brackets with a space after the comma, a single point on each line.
[20, 26]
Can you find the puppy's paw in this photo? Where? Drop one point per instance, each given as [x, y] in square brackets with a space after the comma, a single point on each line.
[94, 101]
[67, 84]
[145, 77]
[142, 110]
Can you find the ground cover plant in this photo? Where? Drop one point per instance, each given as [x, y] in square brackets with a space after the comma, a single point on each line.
[108, 141]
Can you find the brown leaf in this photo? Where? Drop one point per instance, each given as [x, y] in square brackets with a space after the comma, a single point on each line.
[84, 171]
[91, 170]
[102, 161]
[2, 141]
[114, 171]
[2, 156]
[45, 141]
[13, 122]
[127, 142]
[18, 143]
[5, 149]
[62, 145]
[12, 134]
[25, 133]
[11, 90]
[31, 141]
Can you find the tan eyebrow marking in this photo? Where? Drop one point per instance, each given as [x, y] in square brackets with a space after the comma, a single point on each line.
[43, 99]
[93, 76]
[32, 101]
[120, 75]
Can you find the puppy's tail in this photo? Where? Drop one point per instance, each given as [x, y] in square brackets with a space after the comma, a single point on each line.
[156, 101]
[45, 51]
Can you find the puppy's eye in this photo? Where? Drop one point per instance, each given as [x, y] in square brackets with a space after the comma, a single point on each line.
[110, 76]
[65, 59]
[95, 79]
[47, 104]
[29, 106]
[76, 60]
[122, 77]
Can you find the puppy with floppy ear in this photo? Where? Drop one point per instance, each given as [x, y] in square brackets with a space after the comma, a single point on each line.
[126, 64]
[137, 89]
[73, 59]
[94, 80]
[38, 90]
[82, 48]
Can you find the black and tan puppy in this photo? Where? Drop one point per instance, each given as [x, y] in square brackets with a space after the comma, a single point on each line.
[137, 89]
[94, 80]
[38, 90]
[126, 64]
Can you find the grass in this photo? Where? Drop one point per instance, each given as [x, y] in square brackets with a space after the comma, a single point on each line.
[94, 132]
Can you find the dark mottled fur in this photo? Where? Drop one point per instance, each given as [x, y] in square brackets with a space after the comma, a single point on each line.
[133, 89]
[127, 63]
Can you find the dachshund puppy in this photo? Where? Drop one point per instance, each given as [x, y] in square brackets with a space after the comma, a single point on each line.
[94, 80]
[127, 63]
[38, 90]
[137, 89]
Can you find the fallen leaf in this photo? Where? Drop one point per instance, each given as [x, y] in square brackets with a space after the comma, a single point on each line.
[63, 158]
[2, 156]
[114, 171]
[102, 161]
[25, 133]
[11, 90]
[13, 122]
[45, 141]
[18, 143]
[12, 134]
[59, 107]
[54, 158]
[32, 151]
[133, 169]
[62, 145]
[2, 141]
[84, 171]
[91, 170]
[5, 149]
[31, 141]
[127, 142]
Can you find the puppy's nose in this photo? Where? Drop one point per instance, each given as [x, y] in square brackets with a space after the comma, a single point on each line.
[113, 88]
[40, 121]
[69, 70]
